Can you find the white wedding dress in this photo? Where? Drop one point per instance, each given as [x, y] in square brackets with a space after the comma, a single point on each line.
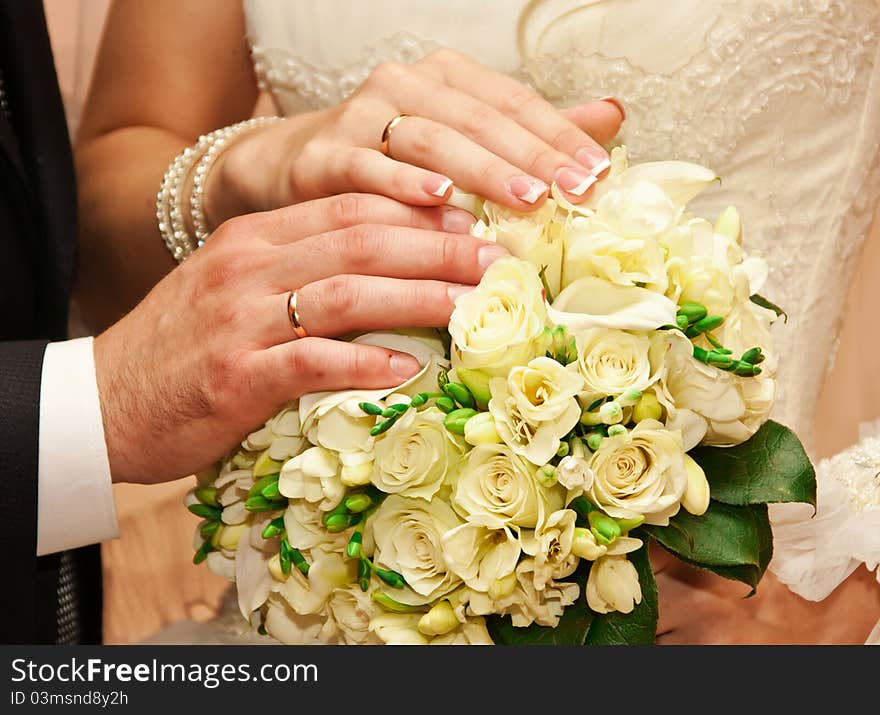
[780, 97]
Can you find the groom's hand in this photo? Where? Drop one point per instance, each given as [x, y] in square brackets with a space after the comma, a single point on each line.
[211, 352]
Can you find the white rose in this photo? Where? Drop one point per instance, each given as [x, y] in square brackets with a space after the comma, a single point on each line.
[553, 556]
[535, 407]
[525, 604]
[494, 482]
[709, 405]
[408, 535]
[613, 585]
[612, 362]
[500, 323]
[640, 473]
[313, 476]
[534, 237]
[480, 555]
[352, 610]
[416, 455]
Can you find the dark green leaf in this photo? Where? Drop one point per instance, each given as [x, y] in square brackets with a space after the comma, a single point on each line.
[638, 627]
[732, 541]
[764, 303]
[771, 467]
[571, 630]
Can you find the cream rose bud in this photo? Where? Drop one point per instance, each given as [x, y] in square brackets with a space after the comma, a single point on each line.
[696, 496]
[535, 407]
[534, 237]
[313, 476]
[352, 610]
[639, 473]
[613, 585]
[407, 535]
[500, 323]
[612, 362]
[494, 482]
[416, 455]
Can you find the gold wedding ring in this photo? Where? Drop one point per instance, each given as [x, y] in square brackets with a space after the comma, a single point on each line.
[386, 132]
[293, 316]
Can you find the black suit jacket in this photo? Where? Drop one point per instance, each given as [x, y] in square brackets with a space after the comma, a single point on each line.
[37, 241]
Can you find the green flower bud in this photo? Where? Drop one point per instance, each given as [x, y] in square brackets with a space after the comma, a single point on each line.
[743, 369]
[265, 465]
[370, 408]
[477, 382]
[754, 356]
[364, 573]
[630, 524]
[615, 430]
[392, 578]
[208, 528]
[707, 325]
[594, 441]
[682, 322]
[445, 404]
[202, 552]
[389, 604]
[358, 502]
[721, 361]
[460, 394]
[383, 426]
[442, 378]
[546, 475]
[270, 491]
[260, 503]
[647, 408]
[354, 545]
[420, 399]
[207, 495]
[611, 413]
[273, 528]
[261, 484]
[563, 449]
[604, 528]
[284, 561]
[211, 513]
[694, 312]
[336, 523]
[456, 420]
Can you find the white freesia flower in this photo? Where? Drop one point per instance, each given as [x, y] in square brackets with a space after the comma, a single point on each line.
[592, 302]
[407, 535]
[613, 585]
[305, 528]
[334, 420]
[612, 362]
[525, 604]
[534, 237]
[352, 610]
[500, 323]
[403, 629]
[553, 556]
[416, 455]
[495, 482]
[313, 476]
[480, 554]
[327, 571]
[709, 405]
[291, 628]
[535, 407]
[640, 473]
[252, 578]
[574, 473]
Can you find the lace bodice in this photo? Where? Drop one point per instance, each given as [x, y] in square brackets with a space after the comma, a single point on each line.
[780, 97]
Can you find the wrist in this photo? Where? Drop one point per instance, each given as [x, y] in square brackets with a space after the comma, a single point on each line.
[117, 413]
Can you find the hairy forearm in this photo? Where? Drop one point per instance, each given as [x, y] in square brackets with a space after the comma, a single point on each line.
[121, 254]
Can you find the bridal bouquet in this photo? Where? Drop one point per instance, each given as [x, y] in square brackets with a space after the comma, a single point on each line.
[606, 386]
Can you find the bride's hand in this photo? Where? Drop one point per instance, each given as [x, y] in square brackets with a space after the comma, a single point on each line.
[698, 607]
[466, 124]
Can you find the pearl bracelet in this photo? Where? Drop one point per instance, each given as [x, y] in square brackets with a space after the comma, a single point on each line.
[169, 201]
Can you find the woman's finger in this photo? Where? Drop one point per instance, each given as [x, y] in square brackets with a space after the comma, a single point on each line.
[601, 119]
[390, 251]
[435, 146]
[342, 304]
[517, 101]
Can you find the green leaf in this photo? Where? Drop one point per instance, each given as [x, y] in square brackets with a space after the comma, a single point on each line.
[732, 541]
[638, 627]
[771, 467]
[764, 303]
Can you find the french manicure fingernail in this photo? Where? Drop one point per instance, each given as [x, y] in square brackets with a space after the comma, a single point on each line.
[457, 221]
[456, 291]
[616, 102]
[574, 181]
[404, 366]
[437, 185]
[527, 188]
[600, 167]
[490, 253]
[589, 156]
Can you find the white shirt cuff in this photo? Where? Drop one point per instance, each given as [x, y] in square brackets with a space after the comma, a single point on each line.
[75, 505]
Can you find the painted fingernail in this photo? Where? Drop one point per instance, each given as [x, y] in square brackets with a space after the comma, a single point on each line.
[404, 366]
[603, 165]
[487, 255]
[527, 188]
[437, 185]
[616, 102]
[457, 221]
[456, 291]
[589, 157]
[574, 181]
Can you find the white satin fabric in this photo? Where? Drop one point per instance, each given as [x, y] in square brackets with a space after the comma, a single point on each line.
[780, 97]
